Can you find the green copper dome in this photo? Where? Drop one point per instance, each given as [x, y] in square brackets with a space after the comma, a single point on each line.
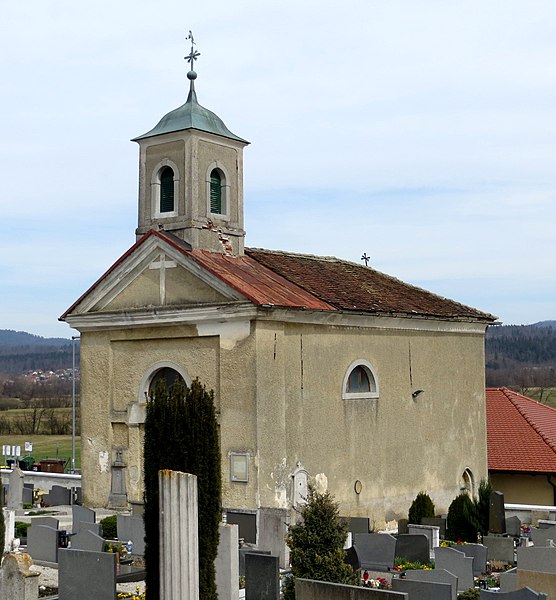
[191, 115]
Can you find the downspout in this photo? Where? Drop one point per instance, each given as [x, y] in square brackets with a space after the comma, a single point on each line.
[549, 479]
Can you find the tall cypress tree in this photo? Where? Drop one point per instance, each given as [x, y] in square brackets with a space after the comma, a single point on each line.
[181, 434]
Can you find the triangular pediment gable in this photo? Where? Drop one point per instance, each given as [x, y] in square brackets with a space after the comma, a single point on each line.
[154, 273]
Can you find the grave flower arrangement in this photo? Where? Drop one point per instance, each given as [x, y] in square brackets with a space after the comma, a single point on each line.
[137, 595]
[402, 565]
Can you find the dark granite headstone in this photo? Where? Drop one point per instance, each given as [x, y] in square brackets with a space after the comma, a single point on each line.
[262, 577]
[87, 540]
[402, 526]
[513, 526]
[42, 543]
[423, 590]
[413, 548]
[132, 528]
[247, 550]
[79, 568]
[27, 494]
[439, 522]
[58, 496]
[78, 496]
[375, 551]
[82, 514]
[546, 524]
[499, 548]
[247, 525]
[525, 593]
[357, 524]
[497, 513]
[435, 576]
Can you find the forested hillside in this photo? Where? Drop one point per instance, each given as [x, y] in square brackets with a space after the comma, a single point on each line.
[521, 355]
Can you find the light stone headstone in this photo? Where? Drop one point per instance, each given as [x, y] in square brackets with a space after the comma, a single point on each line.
[87, 540]
[17, 582]
[542, 537]
[508, 580]
[9, 529]
[178, 538]
[413, 548]
[537, 558]
[42, 543]
[375, 551]
[423, 590]
[546, 524]
[131, 527]
[436, 576]
[513, 526]
[79, 568]
[432, 532]
[499, 548]
[15, 489]
[227, 563]
[497, 513]
[525, 593]
[457, 563]
[81, 514]
[272, 533]
[48, 521]
[262, 577]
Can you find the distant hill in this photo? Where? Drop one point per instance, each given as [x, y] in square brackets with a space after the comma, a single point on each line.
[21, 352]
[521, 355]
[9, 337]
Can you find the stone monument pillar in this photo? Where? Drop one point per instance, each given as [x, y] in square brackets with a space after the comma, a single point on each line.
[179, 540]
[17, 582]
[15, 490]
[118, 495]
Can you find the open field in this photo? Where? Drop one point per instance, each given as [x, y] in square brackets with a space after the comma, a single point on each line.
[45, 446]
[546, 395]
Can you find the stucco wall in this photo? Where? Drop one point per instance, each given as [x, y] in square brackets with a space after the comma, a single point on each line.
[523, 488]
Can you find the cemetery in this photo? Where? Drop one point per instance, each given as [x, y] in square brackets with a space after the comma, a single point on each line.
[80, 545]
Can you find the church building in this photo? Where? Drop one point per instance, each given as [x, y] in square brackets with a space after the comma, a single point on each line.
[324, 371]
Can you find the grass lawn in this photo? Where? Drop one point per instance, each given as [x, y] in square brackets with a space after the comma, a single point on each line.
[45, 446]
[545, 395]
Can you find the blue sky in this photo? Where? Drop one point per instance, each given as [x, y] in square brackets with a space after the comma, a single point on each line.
[422, 133]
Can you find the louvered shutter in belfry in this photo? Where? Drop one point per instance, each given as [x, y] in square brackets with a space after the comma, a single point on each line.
[215, 193]
[166, 190]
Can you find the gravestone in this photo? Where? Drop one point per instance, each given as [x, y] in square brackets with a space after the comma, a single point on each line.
[413, 548]
[118, 495]
[262, 577]
[226, 564]
[457, 563]
[247, 550]
[15, 489]
[435, 576]
[87, 540]
[546, 523]
[403, 526]
[17, 582]
[374, 551]
[9, 530]
[497, 513]
[272, 533]
[513, 526]
[522, 594]
[542, 537]
[537, 558]
[432, 533]
[81, 514]
[324, 590]
[508, 580]
[423, 590]
[58, 496]
[479, 554]
[499, 548]
[132, 528]
[357, 524]
[42, 543]
[47, 521]
[439, 522]
[27, 494]
[77, 571]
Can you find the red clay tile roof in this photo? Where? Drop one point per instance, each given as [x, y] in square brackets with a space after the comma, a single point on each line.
[521, 433]
[349, 286]
[300, 281]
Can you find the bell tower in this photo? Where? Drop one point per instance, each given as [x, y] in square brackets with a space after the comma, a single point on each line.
[191, 176]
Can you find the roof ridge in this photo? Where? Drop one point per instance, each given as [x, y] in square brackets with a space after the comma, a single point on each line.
[546, 439]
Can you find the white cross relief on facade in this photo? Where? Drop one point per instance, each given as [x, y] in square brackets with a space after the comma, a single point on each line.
[162, 264]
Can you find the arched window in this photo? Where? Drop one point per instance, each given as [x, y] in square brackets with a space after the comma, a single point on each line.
[360, 381]
[166, 190]
[216, 192]
[467, 482]
[166, 374]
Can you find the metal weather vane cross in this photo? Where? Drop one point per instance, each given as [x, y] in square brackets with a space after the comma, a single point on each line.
[193, 55]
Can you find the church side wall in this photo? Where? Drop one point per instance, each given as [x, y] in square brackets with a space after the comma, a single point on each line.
[394, 445]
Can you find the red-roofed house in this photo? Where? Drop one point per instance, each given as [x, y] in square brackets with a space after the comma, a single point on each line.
[323, 370]
[521, 447]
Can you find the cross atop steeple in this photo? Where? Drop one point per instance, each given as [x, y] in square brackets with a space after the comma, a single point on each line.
[193, 55]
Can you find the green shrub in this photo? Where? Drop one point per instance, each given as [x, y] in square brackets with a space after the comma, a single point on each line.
[470, 594]
[316, 545]
[421, 507]
[460, 526]
[21, 529]
[482, 506]
[109, 527]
